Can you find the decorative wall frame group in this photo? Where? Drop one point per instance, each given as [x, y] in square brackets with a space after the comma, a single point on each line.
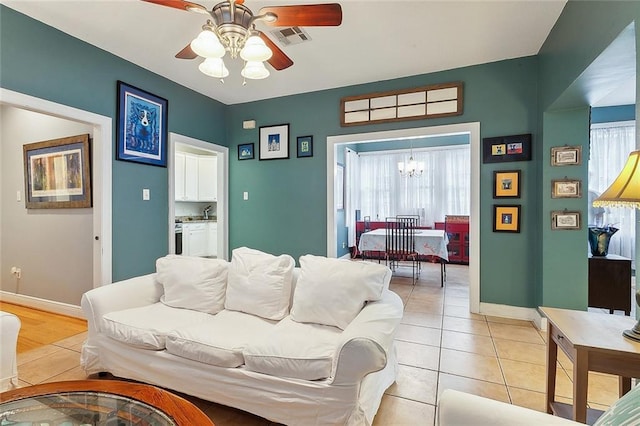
[245, 151]
[565, 220]
[506, 148]
[57, 173]
[566, 188]
[506, 184]
[566, 155]
[141, 126]
[506, 218]
[274, 142]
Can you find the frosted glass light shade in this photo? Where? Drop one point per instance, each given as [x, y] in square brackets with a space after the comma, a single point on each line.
[625, 189]
[207, 45]
[255, 50]
[255, 70]
[214, 67]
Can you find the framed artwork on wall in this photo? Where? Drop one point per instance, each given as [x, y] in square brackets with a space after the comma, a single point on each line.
[565, 220]
[305, 146]
[141, 128]
[566, 155]
[245, 151]
[274, 142]
[57, 173]
[566, 188]
[506, 218]
[506, 184]
[503, 149]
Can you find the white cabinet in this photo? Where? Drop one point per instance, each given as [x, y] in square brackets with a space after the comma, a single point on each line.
[194, 239]
[213, 239]
[196, 177]
[207, 178]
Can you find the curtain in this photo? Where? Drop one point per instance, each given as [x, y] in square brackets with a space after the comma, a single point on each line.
[352, 195]
[443, 189]
[610, 147]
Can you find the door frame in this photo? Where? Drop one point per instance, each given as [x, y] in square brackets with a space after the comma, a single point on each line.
[101, 153]
[222, 207]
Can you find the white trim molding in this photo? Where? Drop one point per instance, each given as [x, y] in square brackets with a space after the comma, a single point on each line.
[42, 304]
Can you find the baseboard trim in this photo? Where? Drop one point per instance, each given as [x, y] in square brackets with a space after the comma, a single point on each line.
[514, 312]
[42, 304]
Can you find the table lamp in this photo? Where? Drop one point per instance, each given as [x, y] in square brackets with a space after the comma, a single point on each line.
[625, 192]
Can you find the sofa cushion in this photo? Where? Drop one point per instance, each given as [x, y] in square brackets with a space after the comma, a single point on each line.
[147, 326]
[193, 283]
[625, 411]
[333, 291]
[220, 339]
[295, 350]
[259, 283]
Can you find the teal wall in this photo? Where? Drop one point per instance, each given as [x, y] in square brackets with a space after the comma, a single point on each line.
[286, 210]
[43, 62]
[415, 143]
[612, 114]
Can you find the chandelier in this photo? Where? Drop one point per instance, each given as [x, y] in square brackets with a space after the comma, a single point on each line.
[411, 168]
[234, 33]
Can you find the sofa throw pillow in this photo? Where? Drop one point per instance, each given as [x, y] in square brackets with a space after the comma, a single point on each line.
[259, 283]
[334, 291]
[195, 283]
[625, 411]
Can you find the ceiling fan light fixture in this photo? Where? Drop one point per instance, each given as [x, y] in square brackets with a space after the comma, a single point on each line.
[207, 45]
[214, 67]
[255, 50]
[255, 70]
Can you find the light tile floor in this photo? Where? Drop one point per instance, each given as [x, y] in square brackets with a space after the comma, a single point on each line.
[440, 345]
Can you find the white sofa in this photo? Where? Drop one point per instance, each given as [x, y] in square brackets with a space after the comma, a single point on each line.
[9, 329]
[299, 346]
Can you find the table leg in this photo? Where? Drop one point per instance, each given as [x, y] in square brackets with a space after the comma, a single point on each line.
[552, 357]
[580, 384]
[624, 385]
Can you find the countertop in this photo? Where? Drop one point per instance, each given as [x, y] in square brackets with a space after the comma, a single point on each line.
[195, 219]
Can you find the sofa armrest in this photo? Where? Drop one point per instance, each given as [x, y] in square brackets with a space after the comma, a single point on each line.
[367, 340]
[459, 408]
[132, 293]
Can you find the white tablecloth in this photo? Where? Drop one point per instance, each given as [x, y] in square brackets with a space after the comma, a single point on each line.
[431, 242]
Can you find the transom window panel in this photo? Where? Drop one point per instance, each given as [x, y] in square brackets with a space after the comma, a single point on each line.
[439, 100]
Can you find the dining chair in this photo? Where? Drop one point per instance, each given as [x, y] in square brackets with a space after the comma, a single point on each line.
[400, 244]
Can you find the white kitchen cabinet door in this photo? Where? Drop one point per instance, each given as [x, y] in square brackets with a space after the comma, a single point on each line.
[197, 239]
[190, 177]
[213, 239]
[179, 175]
[207, 178]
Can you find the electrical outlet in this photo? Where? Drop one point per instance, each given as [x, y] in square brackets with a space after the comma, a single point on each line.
[344, 245]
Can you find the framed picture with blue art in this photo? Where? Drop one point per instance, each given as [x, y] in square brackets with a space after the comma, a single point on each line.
[141, 126]
[305, 146]
[245, 151]
[274, 142]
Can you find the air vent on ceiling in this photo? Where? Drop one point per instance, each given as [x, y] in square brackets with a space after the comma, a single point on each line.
[291, 35]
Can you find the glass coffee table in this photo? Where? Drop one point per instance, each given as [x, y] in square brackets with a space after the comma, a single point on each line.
[97, 402]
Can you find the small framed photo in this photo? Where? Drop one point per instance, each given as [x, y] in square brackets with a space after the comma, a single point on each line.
[141, 126]
[503, 149]
[565, 220]
[274, 142]
[305, 146]
[566, 155]
[57, 173]
[506, 184]
[566, 188]
[245, 151]
[506, 218]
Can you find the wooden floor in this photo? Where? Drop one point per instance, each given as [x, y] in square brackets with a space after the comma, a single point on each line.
[40, 328]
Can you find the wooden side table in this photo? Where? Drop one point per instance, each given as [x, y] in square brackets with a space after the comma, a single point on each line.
[610, 283]
[593, 342]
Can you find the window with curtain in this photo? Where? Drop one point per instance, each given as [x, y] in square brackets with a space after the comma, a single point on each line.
[443, 189]
[611, 144]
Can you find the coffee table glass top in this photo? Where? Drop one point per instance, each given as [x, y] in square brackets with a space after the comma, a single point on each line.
[81, 408]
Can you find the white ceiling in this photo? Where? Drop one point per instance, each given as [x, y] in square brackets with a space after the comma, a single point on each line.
[378, 40]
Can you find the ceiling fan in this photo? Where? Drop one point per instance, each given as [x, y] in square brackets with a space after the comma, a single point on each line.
[232, 29]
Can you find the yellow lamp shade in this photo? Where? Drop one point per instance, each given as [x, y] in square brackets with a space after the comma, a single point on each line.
[625, 189]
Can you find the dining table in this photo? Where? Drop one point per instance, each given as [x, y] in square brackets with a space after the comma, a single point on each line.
[428, 242]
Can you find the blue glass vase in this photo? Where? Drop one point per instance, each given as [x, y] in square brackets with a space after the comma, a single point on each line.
[599, 239]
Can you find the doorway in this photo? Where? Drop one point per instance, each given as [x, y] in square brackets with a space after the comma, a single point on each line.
[473, 130]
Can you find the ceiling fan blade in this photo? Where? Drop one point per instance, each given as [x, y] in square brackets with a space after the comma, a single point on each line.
[180, 4]
[279, 60]
[186, 53]
[308, 15]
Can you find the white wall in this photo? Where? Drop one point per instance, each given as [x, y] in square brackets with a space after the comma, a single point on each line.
[53, 247]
